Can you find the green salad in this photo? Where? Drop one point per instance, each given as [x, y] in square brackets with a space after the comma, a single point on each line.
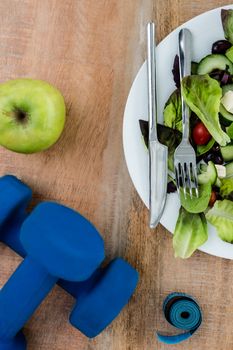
[208, 92]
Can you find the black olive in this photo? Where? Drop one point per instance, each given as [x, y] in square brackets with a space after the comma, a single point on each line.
[223, 76]
[216, 74]
[171, 187]
[215, 148]
[217, 159]
[218, 196]
[216, 189]
[221, 46]
[208, 156]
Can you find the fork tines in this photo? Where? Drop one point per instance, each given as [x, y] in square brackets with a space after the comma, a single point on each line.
[185, 156]
[186, 178]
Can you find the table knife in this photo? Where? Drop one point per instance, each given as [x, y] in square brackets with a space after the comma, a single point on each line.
[158, 153]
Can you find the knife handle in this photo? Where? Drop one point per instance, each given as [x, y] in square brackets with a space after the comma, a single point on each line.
[152, 185]
[158, 181]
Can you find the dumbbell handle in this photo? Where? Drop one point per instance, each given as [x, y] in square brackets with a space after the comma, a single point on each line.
[11, 238]
[21, 295]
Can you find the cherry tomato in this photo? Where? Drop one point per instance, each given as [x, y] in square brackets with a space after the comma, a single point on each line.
[200, 134]
[213, 198]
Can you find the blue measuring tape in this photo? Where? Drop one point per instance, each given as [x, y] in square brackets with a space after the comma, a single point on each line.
[181, 311]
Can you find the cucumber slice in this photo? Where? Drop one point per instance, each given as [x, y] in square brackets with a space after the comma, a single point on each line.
[226, 115]
[210, 175]
[203, 167]
[229, 170]
[226, 88]
[223, 121]
[227, 101]
[212, 62]
[221, 171]
[227, 152]
[217, 183]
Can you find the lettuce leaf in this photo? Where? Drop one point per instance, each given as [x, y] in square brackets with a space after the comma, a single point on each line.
[227, 23]
[229, 131]
[221, 216]
[169, 137]
[226, 188]
[172, 111]
[229, 53]
[197, 205]
[190, 233]
[203, 95]
[202, 149]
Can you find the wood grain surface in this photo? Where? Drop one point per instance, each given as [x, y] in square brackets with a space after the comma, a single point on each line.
[91, 50]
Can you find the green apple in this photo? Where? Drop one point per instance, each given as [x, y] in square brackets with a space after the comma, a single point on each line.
[32, 115]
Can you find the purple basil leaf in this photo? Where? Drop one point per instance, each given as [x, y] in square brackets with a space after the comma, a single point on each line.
[225, 78]
[176, 71]
[144, 127]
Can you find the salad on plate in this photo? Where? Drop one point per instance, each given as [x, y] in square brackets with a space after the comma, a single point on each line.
[208, 92]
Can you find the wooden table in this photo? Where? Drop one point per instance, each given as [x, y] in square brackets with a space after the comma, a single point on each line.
[91, 50]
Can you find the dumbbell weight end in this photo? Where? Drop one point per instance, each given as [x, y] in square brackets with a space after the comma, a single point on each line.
[21, 295]
[103, 296]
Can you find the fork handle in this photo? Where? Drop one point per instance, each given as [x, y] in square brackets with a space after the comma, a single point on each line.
[151, 73]
[184, 50]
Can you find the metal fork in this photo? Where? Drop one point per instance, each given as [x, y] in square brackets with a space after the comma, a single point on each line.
[184, 156]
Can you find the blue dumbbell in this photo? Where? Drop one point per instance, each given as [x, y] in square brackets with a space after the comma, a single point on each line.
[101, 297]
[60, 243]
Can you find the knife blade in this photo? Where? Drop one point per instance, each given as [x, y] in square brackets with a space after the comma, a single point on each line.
[158, 153]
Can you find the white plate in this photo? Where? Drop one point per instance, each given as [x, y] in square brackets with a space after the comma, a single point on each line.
[206, 29]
